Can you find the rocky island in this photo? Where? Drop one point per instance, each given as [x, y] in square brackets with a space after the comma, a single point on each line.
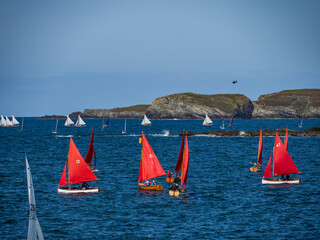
[284, 104]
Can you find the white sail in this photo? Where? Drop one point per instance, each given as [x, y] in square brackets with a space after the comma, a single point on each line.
[207, 121]
[3, 121]
[80, 122]
[222, 126]
[68, 122]
[145, 121]
[125, 126]
[34, 229]
[14, 121]
[8, 122]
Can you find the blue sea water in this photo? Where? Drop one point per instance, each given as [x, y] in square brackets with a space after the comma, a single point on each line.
[224, 200]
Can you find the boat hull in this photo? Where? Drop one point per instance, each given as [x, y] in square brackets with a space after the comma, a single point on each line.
[279, 181]
[146, 124]
[79, 191]
[141, 186]
[207, 124]
[69, 125]
[171, 180]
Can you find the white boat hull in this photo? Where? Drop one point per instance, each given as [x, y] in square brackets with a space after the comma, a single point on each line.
[279, 181]
[79, 191]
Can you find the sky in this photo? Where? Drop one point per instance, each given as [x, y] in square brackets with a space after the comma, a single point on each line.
[57, 57]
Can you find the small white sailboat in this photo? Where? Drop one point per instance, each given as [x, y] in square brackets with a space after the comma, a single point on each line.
[222, 126]
[56, 130]
[8, 123]
[34, 228]
[207, 121]
[14, 121]
[125, 127]
[300, 125]
[21, 129]
[80, 122]
[2, 121]
[145, 121]
[68, 122]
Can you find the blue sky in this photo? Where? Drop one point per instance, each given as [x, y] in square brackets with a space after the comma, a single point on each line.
[61, 56]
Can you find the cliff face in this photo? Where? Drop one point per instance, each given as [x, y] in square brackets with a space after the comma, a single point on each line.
[288, 104]
[193, 106]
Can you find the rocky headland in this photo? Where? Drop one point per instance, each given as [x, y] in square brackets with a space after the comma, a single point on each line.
[284, 104]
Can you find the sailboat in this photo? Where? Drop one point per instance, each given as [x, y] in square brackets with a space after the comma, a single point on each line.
[231, 121]
[103, 125]
[286, 140]
[21, 128]
[145, 121]
[282, 165]
[68, 122]
[125, 127]
[34, 228]
[183, 164]
[300, 125]
[80, 122]
[91, 152]
[14, 121]
[207, 121]
[178, 164]
[56, 129]
[149, 167]
[78, 172]
[2, 121]
[222, 126]
[257, 166]
[8, 123]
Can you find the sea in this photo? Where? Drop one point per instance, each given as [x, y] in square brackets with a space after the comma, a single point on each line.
[224, 200]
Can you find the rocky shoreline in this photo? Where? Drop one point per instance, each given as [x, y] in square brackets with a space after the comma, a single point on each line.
[312, 132]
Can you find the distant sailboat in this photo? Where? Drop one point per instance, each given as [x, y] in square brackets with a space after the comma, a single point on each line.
[2, 121]
[34, 229]
[103, 125]
[14, 121]
[125, 127]
[8, 123]
[145, 121]
[91, 152]
[183, 164]
[207, 121]
[282, 165]
[21, 129]
[257, 166]
[79, 172]
[56, 129]
[222, 126]
[68, 122]
[149, 166]
[300, 125]
[80, 122]
[231, 121]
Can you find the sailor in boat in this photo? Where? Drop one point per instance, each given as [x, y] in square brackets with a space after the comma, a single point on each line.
[85, 185]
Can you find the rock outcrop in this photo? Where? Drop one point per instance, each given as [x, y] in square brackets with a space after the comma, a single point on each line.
[288, 104]
[136, 111]
[195, 106]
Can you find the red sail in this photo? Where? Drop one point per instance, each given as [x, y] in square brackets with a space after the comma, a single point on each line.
[260, 149]
[78, 169]
[63, 179]
[231, 121]
[286, 140]
[88, 158]
[180, 158]
[149, 164]
[282, 161]
[185, 164]
[267, 172]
